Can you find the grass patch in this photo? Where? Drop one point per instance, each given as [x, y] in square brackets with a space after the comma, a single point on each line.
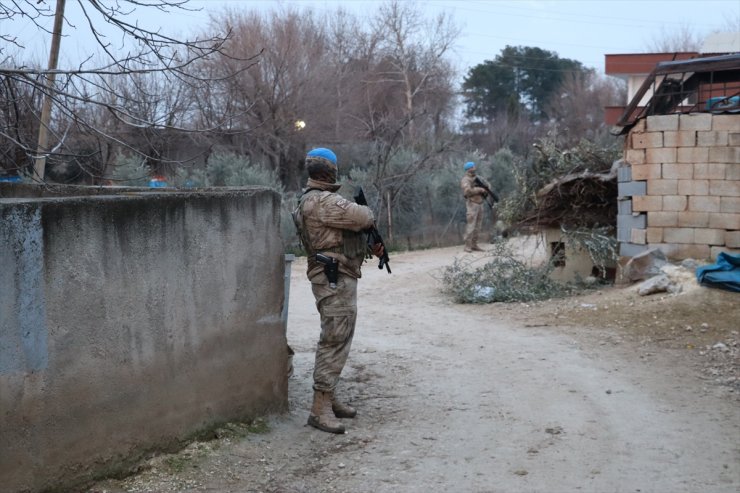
[178, 463]
[258, 426]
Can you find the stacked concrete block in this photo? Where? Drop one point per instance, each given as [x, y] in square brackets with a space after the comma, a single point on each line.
[683, 192]
[630, 223]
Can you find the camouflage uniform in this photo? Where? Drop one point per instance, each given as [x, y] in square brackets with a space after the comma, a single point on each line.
[332, 225]
[474, 198]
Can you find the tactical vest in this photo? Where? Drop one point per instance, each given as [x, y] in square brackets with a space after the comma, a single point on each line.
[353, 244]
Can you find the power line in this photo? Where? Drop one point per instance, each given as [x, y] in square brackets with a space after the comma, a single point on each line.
[569, 16]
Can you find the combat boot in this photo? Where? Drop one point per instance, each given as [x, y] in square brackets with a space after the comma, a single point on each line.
[322, 416]
[342, 410]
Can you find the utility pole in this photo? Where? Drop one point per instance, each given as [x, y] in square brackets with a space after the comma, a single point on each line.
[39, 168]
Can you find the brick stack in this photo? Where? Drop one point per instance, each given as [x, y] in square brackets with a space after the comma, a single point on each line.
[681, 189]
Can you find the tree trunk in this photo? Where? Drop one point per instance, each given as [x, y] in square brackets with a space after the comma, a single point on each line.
[390, 218]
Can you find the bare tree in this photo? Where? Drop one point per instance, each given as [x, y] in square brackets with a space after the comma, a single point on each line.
[271, 98]
[349, 51]
[509, 130]
[95, 82]
[577, 108]
[682, 38]
[407, 95]
[413, 50]
[732, 23]
[18, 125]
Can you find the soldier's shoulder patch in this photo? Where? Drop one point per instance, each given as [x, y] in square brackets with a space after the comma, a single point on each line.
[343, 203]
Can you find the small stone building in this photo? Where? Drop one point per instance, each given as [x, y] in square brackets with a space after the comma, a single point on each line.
[570, 261]
[571, 210]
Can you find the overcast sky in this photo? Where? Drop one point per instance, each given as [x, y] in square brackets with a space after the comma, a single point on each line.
[583, 30]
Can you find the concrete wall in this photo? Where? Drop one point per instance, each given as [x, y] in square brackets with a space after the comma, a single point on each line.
[130, 322]
[577, 262]
[682, 191]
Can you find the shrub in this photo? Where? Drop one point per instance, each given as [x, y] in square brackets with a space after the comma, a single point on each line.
[131, 171]
[232, 170]
[599, 242]
[505, 277]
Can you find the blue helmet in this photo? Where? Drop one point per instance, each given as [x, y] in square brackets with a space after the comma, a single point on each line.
[322, 152]
[469, 165]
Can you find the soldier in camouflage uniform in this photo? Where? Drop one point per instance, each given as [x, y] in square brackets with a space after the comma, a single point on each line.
[332, 225]
[474, 198]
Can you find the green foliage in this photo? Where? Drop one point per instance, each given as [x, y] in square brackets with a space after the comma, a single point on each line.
[259, 427]
[131, 171]
[428, 208]
[548, 163]
[488, 88]
[531, 74]
[447, 203]
[519, 203]
[241, 430]
[505, 277]
[500, 169]
[222, 170]
[232, 170]
[426, 205]
[552, 160]
[178, 463]
[600, 243]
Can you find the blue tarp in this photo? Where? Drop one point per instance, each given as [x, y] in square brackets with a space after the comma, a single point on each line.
[724, 274]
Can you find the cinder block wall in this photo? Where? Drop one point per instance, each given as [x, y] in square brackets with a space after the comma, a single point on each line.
[130, 322]
[681, 192]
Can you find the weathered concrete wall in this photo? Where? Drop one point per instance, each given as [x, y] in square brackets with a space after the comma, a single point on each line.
[575, 262]
[130, 322]
[682, 194]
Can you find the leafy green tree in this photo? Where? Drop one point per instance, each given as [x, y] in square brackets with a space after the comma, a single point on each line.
[499, 170]
[131, 171]
[520, 79]
[487, 89]
[231, 170]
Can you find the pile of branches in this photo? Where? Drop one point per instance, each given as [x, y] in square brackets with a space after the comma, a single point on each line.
[572, 188]
[580, 200]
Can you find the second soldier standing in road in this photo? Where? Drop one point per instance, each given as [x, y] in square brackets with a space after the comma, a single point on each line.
[474, 198]
[332, 226]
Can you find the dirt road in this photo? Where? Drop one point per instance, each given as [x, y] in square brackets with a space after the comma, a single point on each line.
[463, 398]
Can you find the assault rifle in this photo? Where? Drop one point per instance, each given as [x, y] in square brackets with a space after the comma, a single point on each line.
[373, 236]
[479, 183]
